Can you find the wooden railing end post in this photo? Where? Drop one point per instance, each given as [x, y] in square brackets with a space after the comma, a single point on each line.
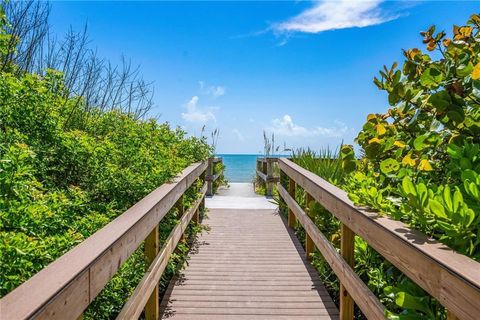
[291, 191]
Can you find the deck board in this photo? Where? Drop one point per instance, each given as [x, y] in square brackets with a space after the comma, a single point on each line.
[247, 266]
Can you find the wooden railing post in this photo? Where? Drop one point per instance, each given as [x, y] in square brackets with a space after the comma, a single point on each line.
[347, 248]
[152, 246]
[210, 177]
[269, 172]
[309, 245]
[291, 191]
[263, 169]
[451, 316]
[180, 211]
[196, 216]
[204, 180]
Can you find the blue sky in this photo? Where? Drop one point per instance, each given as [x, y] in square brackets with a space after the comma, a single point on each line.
[300, 69]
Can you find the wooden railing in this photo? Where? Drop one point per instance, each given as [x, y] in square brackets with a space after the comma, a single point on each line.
[451, 278]
[65, 288]
[210, 176]
[264, 171]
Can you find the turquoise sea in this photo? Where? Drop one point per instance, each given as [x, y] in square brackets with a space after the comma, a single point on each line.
[239, 167]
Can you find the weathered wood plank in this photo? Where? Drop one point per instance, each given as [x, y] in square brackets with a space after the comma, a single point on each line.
[291, 191]
[269, 178]
[262, 175]
[152, 245]
[208, 175]
[263, 274]
[347, 249]
[251, 317]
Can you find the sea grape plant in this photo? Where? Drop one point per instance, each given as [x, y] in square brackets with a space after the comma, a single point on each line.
[420, 159]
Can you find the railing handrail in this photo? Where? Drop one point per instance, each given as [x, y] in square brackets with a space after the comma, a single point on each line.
[453, 279]
[263, 159]
[71, 282]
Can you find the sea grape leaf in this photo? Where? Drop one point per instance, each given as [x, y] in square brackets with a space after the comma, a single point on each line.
[408, 186]
[389, 165]
[431, 77]
[408, 301]
[440, 100]
[425, 165]
[437, 208]
[465, 70]
[476, 72]
[420, 142]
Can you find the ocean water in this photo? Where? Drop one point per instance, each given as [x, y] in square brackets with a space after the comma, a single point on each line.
[240, 167]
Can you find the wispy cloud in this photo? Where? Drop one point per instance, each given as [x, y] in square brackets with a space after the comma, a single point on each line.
[286, 127]
[238, 135]
[196, 114]
[333, 15]
[214, 91]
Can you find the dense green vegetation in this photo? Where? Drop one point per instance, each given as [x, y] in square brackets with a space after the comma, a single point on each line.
[66, 171]
[419, 163]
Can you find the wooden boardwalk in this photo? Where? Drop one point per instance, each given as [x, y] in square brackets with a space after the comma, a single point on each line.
[247, 266]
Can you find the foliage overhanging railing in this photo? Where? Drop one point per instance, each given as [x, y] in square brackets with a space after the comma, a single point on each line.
[453, 279]
[264, 172]
[66, 287]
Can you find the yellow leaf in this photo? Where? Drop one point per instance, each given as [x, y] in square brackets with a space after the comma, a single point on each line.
[375, 140]
[380, 129]
[371, 116]
[408, 160]
[456, 30]
[399, 144]
[411, 53]
[432, 44]
[475, 17]
[335, 237]
[462, 33]
[466, 31]
[424, 165]
[476, 72]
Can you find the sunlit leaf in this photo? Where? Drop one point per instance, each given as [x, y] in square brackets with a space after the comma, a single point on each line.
[408, 160]
[389, 165]
[476, 72]
[425, 165]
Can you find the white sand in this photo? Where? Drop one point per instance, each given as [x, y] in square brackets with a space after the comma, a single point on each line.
[239, 196]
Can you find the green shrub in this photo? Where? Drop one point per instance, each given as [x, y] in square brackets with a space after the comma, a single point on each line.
[65, 172]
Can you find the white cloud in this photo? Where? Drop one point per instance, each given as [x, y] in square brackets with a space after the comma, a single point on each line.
[331, 15]
[217, 91]
[214, 91]
[196, 114]
[238, 134]
[286, 127]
